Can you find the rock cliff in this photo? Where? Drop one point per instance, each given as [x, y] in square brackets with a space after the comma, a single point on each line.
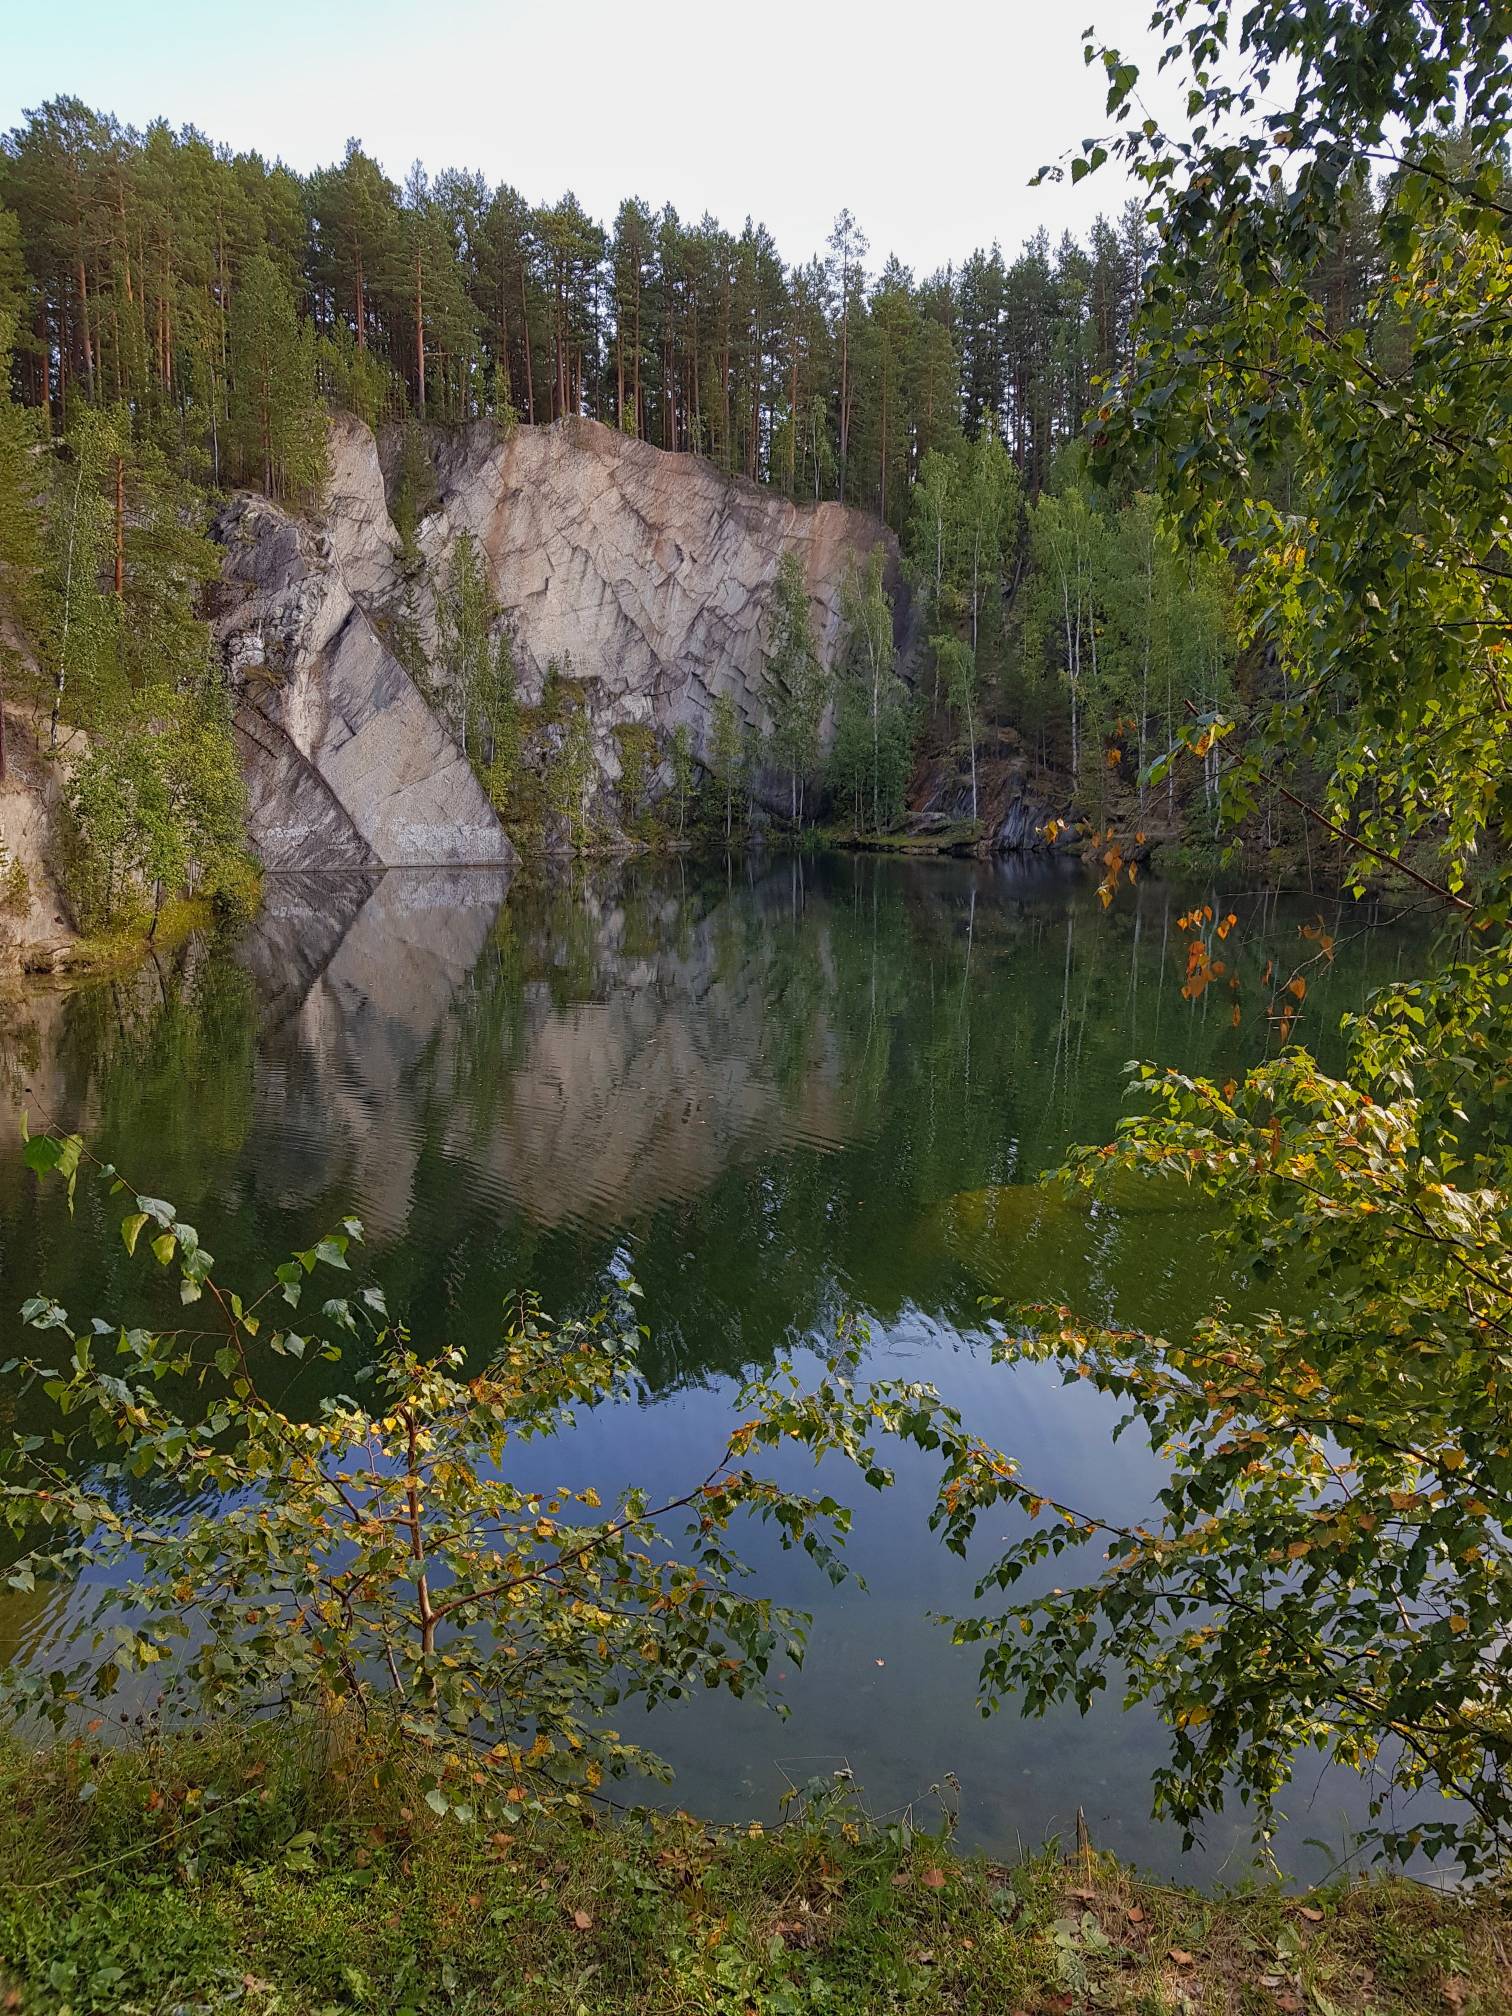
[649, 573]
[346, 765]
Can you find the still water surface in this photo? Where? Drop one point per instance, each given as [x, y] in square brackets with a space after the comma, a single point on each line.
[778, 1092]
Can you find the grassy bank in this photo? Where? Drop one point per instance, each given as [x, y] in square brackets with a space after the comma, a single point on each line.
[234, 898]
[265, 1872]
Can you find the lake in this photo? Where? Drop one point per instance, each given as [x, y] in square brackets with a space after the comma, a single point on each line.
[779, 1091]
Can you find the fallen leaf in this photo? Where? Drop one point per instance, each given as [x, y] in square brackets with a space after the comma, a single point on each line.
[1181, 1957]
[583, 1920]
[1455, 1990]
[926, 1958]
[1083, 1896]
[933, 1879]
[1135, 1915]
[1312, 1914]
[901, 1880]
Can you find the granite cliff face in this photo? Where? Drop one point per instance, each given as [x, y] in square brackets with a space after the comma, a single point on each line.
[346, 765]
[649, 573]
[652, 572]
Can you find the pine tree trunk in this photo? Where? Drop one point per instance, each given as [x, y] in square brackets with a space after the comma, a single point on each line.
[529, 371]
[420, 337]
[119, 582]
[639, 423]
[86, 345]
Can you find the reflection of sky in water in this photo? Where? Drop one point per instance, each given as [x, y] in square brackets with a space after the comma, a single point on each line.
[776, 1095]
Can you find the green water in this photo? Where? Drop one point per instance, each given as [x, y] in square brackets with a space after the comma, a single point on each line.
[778, 1092]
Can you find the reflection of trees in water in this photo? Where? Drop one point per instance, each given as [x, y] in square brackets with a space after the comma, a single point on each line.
[667, 1057]
[161, 1056]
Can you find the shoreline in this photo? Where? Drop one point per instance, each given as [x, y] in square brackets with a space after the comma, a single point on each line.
[297, 1868]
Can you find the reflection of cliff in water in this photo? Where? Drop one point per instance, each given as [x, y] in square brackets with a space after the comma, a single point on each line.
[590, 1052]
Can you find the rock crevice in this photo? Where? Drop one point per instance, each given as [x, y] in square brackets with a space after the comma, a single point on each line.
[346, 764]
[648, 574]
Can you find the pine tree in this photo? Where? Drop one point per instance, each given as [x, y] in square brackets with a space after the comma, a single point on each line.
[466, 612]
[276, 428]
[682, 773]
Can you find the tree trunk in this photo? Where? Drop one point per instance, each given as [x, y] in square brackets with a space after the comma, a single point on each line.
[86, 346]
[419, 336]
[119, 581]
[637, 358]
[525, 326]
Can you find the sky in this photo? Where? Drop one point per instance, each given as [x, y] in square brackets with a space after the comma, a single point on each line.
[925, 119]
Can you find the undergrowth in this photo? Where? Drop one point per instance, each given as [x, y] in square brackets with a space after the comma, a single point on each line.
[296, 1870]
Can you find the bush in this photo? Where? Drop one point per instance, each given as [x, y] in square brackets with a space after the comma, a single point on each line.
[378, 1557]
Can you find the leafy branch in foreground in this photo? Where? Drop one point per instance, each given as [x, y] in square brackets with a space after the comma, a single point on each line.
[378, 1558]
[1329, 1566]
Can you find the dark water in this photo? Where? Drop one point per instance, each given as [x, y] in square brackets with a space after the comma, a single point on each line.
[778, 1093]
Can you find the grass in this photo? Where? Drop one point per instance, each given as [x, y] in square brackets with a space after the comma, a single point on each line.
[235, 897]
[127, 945]
[965, 837]
[279, 1871]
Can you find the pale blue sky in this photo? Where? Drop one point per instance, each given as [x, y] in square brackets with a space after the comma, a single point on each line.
[927, 119]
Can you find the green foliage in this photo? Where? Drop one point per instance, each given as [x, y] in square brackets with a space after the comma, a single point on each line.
[956, 663]
[414, 487]
[276, 431]
[682, 773]
[870, 759]
[21, 475]
[15, 886]
[570, 765]
[352, 377]
[466, 614]
[379, 1558]
[725, 758]
[306, 1862]
[635, 742]
[793, 679]
[1328, 1568]
[155, 804]
[753, 759]
[499, 726]
[1122, 628]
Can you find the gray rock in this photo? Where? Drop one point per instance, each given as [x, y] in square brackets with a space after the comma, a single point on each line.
[650, 572]
[653, 572]
[346, 764]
